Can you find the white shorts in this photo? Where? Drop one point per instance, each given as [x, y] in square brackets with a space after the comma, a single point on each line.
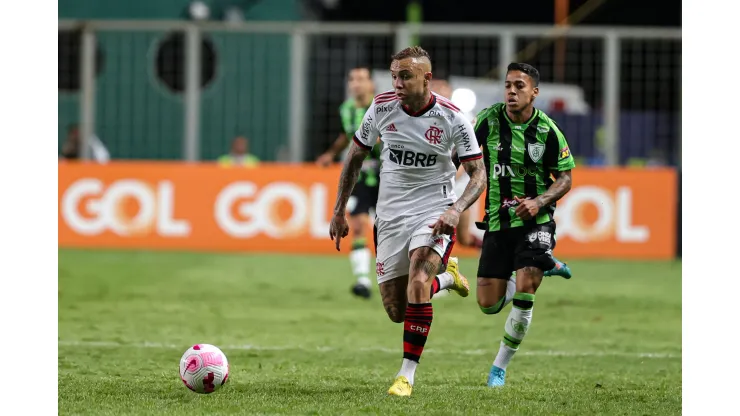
[397, 238]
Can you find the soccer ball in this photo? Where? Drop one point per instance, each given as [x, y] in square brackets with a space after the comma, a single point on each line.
[204, 368]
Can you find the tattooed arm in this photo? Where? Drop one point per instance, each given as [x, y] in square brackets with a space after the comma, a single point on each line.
[477, 172]
[559, 161]
[348, 178]
[529, 208]
[472, 160]
[447, 223]
[338, 228]
[557, 190]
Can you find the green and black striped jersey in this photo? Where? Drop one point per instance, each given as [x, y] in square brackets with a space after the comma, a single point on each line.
[520, 160]
[351, 117]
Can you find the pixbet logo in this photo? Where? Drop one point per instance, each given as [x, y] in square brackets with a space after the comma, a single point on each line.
[500, 170]
[91, 208]
[257, 210]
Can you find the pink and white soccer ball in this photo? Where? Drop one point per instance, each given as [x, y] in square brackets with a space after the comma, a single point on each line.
[204, 368]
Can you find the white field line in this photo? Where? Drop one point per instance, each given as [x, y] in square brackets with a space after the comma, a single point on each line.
[247, 347]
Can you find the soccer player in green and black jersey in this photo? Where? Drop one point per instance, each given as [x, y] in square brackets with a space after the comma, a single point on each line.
[523, 149]
[365, 193]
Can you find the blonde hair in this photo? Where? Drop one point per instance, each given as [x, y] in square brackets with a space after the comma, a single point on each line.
[411, 52]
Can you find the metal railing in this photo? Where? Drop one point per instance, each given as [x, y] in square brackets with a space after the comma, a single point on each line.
[603, 79]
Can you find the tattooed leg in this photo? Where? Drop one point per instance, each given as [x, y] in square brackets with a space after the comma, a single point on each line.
[393, 295]
[425, 264]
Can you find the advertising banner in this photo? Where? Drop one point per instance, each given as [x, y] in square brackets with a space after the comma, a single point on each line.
[609, 213]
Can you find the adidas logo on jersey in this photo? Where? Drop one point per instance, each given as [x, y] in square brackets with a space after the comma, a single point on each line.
[392, 127]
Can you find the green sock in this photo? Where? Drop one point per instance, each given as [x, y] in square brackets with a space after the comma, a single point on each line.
[516, 327]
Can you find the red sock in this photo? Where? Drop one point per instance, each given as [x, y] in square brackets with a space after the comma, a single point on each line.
[416, 329]
[435, 287]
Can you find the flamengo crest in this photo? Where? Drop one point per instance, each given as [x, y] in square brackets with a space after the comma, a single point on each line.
[434, 135]
[536, 151]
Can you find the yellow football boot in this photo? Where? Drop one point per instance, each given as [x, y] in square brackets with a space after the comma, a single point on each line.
[460, 285]
[400, 387]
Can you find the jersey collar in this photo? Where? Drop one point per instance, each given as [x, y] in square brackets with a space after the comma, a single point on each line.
[532, 117]
[432, 102]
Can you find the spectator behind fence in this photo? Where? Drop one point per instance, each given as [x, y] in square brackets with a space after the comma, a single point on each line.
[239, 155]
[71, 149]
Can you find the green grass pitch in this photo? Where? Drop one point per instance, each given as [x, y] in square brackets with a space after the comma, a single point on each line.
[606, 342]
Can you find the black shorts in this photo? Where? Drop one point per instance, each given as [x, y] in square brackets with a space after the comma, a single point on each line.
[363, 198]
[512, 249]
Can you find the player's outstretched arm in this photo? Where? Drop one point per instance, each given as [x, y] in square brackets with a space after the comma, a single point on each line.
[529, 208]
[559, 161]
[339, 228]
[477, 172]
[338, 146]
[447, 223]
[348, 178]
[557, 190]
